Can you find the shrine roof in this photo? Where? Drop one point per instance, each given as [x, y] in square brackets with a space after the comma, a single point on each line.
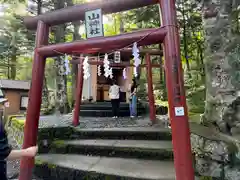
[14, 84]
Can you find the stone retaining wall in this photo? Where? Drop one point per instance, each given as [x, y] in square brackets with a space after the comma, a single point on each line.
[15, 128]
[216, 155]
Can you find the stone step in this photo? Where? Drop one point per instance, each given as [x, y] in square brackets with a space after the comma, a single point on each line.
[105, 113]
[104, 109]
[154, 150]
[47, 135]
[131, 133]
[107, 103]
[90, 107]
[106, 106]
[72, 167]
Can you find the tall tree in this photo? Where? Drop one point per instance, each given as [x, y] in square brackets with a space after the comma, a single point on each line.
[183, 11]
[61, 78]
[222, 65]
[76, 36]
[13, 39]
[45, 93]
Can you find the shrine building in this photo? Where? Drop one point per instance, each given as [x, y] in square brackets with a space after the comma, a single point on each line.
[96, 87]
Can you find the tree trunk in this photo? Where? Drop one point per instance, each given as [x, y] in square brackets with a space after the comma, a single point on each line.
[45, 93]
[122, 29]
[76, 36]
[200, 60]
[39, 7]
[8, 67]
[61, 78]
[222, 68]
[185, 41]
[13, 62]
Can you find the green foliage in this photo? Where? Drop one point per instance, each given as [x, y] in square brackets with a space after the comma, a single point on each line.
[161, 103]
[15, 122]
[235, 18]
[12, 1]
[191, 34]
[196, 100]
[234, 62]
[146, 17]
[15, 42]
[8, 119]
[192, 48]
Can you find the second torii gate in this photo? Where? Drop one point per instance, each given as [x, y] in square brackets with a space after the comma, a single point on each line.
[80, 81]
[166, 34]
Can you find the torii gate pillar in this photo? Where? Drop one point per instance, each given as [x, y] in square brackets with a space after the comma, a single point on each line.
[176, 94]
[34, 103]
[79, 90]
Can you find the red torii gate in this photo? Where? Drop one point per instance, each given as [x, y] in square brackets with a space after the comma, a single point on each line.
[167, 34]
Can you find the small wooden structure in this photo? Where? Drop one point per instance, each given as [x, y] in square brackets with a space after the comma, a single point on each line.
[16, 93]
[167, 34]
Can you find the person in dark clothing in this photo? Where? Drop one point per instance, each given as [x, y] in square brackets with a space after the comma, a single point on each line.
[7, 153]
[5, 150]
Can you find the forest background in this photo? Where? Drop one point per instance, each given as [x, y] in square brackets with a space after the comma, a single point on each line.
[17, 46]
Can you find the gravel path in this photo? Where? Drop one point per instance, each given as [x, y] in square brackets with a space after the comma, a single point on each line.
[14, 165]
[96, 122]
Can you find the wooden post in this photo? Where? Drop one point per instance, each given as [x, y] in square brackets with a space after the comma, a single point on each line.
[176, 94]
[78, 95]
[151, 100]
[34, 103]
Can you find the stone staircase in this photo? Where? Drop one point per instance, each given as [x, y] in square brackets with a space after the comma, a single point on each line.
[104, 109]
[109, 153]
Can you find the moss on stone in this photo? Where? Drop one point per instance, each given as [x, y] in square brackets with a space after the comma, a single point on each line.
[59, 143]
[21, 121]
[205, 178]
[19, 124]
[8, 119]
[52, 166]
[194, 117]
[38, 162]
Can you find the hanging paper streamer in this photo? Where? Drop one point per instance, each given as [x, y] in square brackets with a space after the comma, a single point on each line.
[86, 68]
[106, 66]
[124, 73]
[66, 65]
[99, 71]
[135, 71]
[137, 60]
[135, 53]
[110, 73]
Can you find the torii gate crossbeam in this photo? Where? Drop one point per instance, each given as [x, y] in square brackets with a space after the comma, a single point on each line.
[77, 12]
